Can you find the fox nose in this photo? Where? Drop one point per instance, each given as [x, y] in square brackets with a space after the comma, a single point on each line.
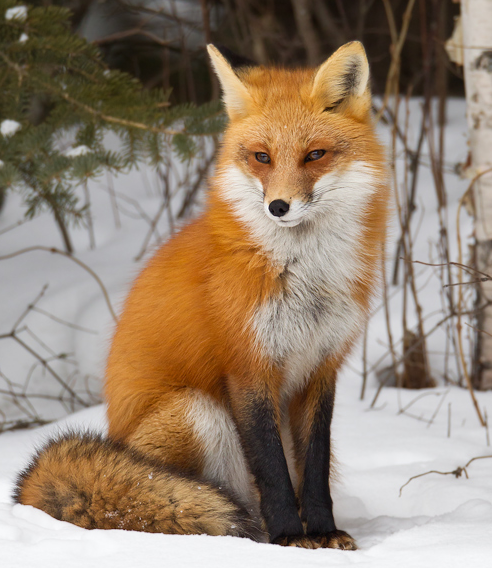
[278, 207]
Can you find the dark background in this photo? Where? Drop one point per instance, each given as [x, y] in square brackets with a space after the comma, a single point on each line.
[162, 42]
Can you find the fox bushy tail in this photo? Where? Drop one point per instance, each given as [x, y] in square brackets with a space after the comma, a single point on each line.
[96, 483]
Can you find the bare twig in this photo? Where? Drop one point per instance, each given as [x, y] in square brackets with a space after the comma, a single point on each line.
[436, 326]
[458, 472]
[465, 370]
[437, 264]
[14, 334]
[487, 433]
[63, 322]
[364, 362]
[477, 329]
[208, 39]
[14, 226]
[73, 259]
[449, 420]
[445, 394]
[413, 401]
[114, 201]
[87, 206]
[484, 279]
[396, 47]
[131, 33]
[202, 173]
[302, 14]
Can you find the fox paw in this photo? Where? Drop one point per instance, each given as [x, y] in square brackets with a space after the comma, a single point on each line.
[335, 539]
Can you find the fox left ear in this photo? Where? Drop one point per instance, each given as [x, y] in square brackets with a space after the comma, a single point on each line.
[236, 98]
[343, 79]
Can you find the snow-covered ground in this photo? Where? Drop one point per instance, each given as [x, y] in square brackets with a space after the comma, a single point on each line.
[439, 520]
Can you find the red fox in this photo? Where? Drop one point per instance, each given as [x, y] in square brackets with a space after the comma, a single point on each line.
[221, 377]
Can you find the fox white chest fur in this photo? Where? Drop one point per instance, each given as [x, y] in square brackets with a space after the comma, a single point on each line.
[313, 316]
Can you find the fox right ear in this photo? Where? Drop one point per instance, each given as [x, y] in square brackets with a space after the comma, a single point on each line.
[342, 80]
[237, 99]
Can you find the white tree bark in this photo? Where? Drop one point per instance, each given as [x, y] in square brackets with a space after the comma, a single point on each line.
[477, 43]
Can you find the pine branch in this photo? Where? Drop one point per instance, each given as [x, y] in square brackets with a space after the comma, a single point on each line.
[54, 82]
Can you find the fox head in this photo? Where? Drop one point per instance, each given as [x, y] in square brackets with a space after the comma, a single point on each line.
[299, 141]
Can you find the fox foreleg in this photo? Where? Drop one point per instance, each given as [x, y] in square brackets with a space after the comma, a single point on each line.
[257, 423]
[311, 415]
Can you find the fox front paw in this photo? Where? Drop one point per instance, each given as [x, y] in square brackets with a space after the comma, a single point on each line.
[335, 539]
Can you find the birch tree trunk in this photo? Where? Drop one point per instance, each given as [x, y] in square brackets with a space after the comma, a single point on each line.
[477, 41]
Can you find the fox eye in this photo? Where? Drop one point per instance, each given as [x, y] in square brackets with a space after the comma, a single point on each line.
[262, 157]
[314, 155]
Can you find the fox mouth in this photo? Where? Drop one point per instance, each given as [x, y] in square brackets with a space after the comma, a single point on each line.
[287, 222]
[283, 222]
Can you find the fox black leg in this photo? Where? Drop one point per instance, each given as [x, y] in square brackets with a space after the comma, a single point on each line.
[260, 437]
[315, 497]
[311, 431]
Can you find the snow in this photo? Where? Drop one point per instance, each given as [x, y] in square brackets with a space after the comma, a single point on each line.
[23, 38]
[439, 520]
[77, 151]
[9, 127]
[16, 13]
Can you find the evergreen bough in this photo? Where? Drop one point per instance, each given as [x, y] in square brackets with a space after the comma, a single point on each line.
[55, 85]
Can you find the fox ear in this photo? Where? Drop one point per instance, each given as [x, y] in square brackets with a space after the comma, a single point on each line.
[236, 98]
[343, 78]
